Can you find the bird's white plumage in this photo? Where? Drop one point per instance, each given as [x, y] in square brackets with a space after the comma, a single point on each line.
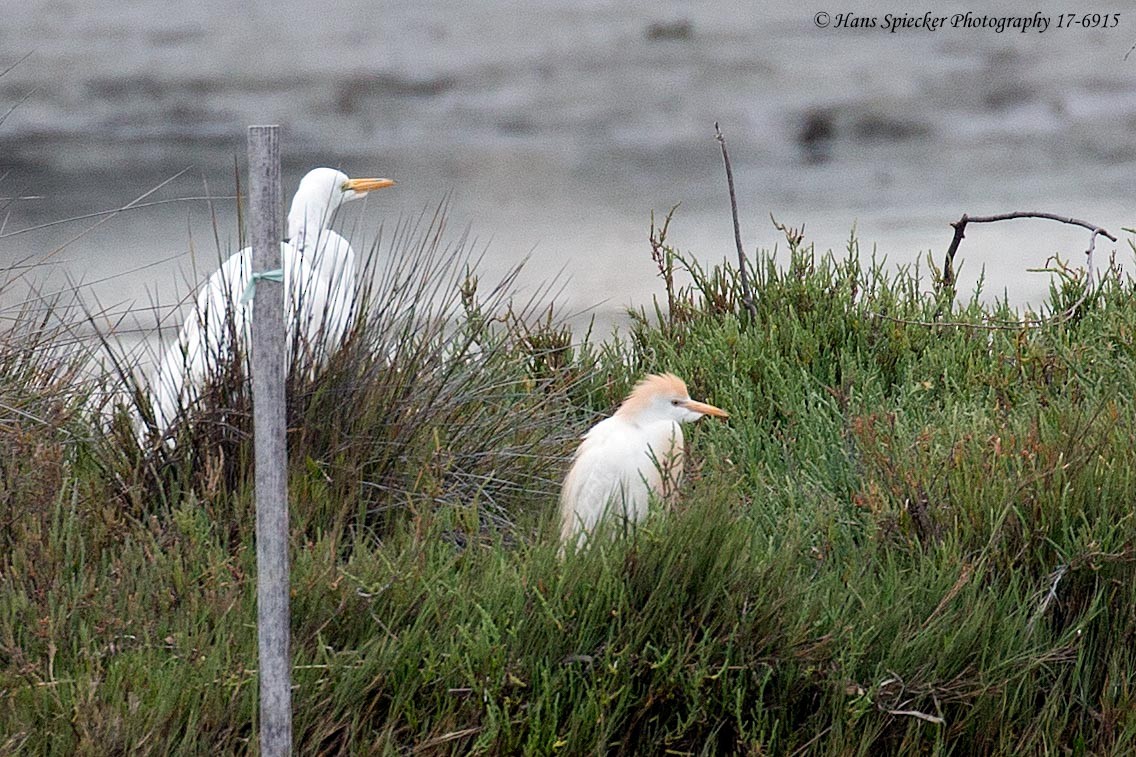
[615, 470]
[320, 296]
[623, 459]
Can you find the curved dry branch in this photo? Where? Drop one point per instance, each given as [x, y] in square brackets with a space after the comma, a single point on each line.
[960, 232]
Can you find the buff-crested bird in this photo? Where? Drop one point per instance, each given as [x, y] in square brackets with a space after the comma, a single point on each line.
[624, 458]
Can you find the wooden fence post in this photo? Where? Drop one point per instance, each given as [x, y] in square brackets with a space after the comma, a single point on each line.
[268, 366]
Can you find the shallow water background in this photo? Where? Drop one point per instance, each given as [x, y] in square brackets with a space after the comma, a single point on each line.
[556, 128]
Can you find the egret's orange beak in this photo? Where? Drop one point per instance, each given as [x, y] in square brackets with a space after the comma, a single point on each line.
[702, 407]
[362, 186]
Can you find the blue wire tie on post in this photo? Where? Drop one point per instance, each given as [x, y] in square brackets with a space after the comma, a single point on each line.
[250, 291]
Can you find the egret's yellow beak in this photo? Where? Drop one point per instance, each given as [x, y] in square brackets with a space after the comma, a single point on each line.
[702, 407]
[362, 186]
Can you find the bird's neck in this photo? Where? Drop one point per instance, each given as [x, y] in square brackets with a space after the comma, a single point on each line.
[322, 248]
[306, 222]
[329, 254]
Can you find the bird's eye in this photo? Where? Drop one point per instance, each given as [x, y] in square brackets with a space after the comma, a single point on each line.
[676, 403]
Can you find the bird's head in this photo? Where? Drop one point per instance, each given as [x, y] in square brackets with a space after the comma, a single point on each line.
[327, 185]
[663, 396]
[321, 192]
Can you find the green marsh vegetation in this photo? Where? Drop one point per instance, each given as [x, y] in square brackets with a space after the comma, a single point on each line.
[906, 538]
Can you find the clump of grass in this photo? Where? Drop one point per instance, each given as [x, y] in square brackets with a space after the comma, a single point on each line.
[907, 537]
[438, 395]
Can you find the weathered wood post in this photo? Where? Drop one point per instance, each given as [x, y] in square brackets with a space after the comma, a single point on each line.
[268, 365]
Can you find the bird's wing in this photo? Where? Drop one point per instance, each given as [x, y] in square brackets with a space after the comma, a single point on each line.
[205, 340]
[665, 442]
[607, 474]
[334, 262]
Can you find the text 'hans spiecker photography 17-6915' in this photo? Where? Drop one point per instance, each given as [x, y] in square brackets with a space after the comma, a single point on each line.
[928, 22]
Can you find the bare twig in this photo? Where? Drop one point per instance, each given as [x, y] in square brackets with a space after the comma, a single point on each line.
[663, 255]
[793, 236]
[901, 709]
[948, 278]
[747, 294]
[960, 232]
[916, 714]
[1089, 257]
[1027, 323]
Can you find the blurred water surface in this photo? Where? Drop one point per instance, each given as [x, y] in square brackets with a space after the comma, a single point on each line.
[556, 128]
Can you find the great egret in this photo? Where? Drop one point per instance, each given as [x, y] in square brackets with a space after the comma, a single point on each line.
[319, 285]
[626, 457]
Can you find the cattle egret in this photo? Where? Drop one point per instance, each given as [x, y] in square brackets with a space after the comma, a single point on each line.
[320, 289]
[626, 457]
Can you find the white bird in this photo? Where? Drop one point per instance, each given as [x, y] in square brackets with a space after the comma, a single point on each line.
[319, 285]
[627, 457]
